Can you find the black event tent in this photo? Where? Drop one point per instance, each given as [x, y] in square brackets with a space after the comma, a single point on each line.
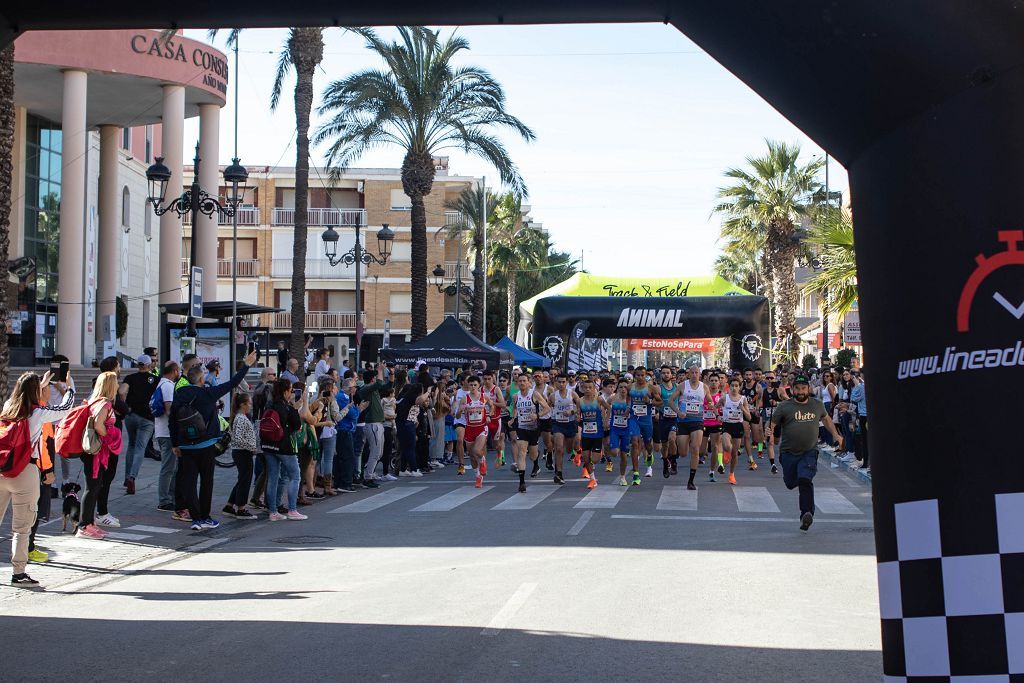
[449, 346]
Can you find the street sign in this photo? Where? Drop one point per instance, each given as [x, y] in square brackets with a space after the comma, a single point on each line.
[196, 295]
[851, 328]
[387, 333]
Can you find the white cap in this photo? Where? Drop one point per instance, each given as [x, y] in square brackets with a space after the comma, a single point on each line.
[628, 376]
[143, 359]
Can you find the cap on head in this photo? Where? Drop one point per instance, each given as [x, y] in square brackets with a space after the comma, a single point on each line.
[144, 359]
[800, 379]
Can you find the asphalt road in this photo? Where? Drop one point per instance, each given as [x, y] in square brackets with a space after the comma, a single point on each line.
[430, 579]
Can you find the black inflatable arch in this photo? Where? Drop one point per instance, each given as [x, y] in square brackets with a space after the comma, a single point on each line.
[922, 101]
[743, 319]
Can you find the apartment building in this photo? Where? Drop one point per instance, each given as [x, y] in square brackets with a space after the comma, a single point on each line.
[370, 197]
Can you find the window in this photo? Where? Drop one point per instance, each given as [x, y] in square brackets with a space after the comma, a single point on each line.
[126, 139]
[126, 209]
[149, 144]
[401, 251]
[400, 201]
[400, 302]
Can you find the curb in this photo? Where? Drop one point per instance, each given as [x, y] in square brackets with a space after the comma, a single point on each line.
[852, 468]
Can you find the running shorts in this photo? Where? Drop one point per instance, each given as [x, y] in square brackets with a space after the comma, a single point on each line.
[592, 444]
[619, 440]
[545, 424]
[646, 430]
[754, 418]
[567, 429]
[733, 429]
[713, 429]
[664, 429]
[686, 428]
[472, 433]
[530, 436]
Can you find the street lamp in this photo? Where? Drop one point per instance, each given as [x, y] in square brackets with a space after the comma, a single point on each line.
[456, 289]
[195, 201]
[358, 257]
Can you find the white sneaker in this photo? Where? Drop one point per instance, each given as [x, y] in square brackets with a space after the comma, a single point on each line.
[405, 473]
[108, 520]
[390, 477]
[436, 464]
[649, 473]
[415, 473]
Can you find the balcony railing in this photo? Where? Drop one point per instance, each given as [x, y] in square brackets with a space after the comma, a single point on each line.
[327, 321]
[247, 215]
[449, 271]
[453, 218]
[246, 268]
[320, 217]
[316, 269]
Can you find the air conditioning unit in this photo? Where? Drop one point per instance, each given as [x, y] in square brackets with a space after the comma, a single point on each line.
[341, 347]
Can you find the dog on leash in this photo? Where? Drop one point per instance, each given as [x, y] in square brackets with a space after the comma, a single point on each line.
[72, 511]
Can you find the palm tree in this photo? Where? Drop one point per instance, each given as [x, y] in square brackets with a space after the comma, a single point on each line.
[513, 248]
[738, 268]
[423, 104]
[763, 207]
[6, 180]
[470, 229]
[837, 272]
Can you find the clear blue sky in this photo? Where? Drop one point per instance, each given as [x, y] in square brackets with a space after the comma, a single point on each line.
[635, 125]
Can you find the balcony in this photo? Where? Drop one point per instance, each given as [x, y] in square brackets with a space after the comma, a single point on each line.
[449, 271]
[319, 321]
[246, 268]
[453, 218]
[316, 269]
[247, 215]
[320, 216]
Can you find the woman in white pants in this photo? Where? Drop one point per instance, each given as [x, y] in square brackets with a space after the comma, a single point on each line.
[28, 402]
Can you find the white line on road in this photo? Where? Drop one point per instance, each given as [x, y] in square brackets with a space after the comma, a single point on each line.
[122, 536]
[830, 501]
[603, 497]
[379, 500]
[677, 498]
[508, 611]
[452, 499]
[153, 529]
[680, 518]
[526, 501]
[754, 499]
[206, 545]
[580, 523]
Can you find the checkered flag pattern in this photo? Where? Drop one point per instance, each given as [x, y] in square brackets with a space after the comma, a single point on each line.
[953, 617]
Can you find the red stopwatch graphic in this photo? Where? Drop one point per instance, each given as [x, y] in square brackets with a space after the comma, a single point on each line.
[1013, 256]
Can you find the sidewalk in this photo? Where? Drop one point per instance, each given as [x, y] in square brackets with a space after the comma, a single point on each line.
[828, 452]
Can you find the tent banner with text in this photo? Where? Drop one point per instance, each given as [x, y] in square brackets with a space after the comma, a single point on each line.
[702, 345]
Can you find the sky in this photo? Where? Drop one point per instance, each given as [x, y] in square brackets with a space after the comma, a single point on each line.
[635, 126]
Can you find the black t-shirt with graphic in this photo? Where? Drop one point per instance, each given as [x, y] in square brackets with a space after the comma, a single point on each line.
[141, 386]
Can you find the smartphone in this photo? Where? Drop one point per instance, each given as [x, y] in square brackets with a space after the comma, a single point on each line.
[251, 348]
[59, 371]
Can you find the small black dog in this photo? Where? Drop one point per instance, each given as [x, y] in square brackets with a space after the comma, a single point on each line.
[72, 506]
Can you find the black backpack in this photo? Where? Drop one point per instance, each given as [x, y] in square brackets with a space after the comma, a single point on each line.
[191, 425]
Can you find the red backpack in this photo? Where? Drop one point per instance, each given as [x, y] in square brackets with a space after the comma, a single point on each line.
[271, 430]
[15, 447]
[68, 441]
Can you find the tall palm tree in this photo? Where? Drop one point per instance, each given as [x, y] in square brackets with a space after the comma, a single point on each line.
[837, 272]
[469, 228]
[6, 180]
[423, 104]
[738, 268]
[513, 249]
[765, 203]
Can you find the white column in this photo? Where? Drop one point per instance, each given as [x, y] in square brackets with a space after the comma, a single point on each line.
[71, 261]
[173, 132]
[109, 266]
[205, 227]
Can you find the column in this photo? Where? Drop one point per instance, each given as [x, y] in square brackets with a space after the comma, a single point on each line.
[205, 227]
[108, 263]
[71, 260]
[173, 131]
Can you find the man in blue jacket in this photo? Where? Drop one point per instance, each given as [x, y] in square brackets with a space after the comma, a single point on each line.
[196, 458]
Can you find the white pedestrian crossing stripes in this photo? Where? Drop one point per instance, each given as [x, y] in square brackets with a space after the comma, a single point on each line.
[677, 498]
[525, 501]
[830, 501]
[754, 499]
[379, 500]
[602, 497]
[452, 499]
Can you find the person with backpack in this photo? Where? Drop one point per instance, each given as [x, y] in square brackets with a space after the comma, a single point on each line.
[279, 423]
[195, 430]
[261, 398]
[136, 391]
[97, 414]
[160, 407]
[21, 427]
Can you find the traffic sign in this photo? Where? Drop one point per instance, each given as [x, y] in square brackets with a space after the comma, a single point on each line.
[387, 333]
[196, 295]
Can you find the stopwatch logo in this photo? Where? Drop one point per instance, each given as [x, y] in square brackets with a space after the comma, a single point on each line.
[1013, 256]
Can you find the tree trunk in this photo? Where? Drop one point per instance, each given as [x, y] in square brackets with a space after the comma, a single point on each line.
[417, 181]
[6, 178]
[787, 297]
[477, 318]
[512, 297]
[307, 51]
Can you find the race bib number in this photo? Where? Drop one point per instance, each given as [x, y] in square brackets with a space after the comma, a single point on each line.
[640, 409]
[590, 428]
[732, 414]
[563, 414]
[475, 415]
[619, 421]
[528, 421]
[710, 414]
[693, 408]
[668, 412]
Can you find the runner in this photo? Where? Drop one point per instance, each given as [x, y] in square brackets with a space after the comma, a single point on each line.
[796, 420]
[689, 399]
[663, 435]
[752, 434]
[508, 391]
[540, 386]
[623, 429]
[495, 435]
[475, 408]
[643, 401]
[712, 444]
[565, 409]
[608, 394]
[526, 413]
[775, 394]
[733, 408]
[460, 423]
[592, 414]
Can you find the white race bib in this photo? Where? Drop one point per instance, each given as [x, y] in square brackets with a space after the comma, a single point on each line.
[590, 428]
[693, 407]
[619, 421]
[640, 409]
[668, 412]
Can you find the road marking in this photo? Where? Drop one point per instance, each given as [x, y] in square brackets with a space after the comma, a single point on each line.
[379, 500]
[602, 497]
[452, 499]
[122, 536]
[526, 501]
[509, 609]
[677, 498]
[580, 523]
[681, 518]
[754, 499]
[152, 529]
[205, 545]
[830, 501]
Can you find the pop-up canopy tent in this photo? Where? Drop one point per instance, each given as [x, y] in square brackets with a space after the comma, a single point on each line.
[449, 346]
[587, 284]
[520, 355]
